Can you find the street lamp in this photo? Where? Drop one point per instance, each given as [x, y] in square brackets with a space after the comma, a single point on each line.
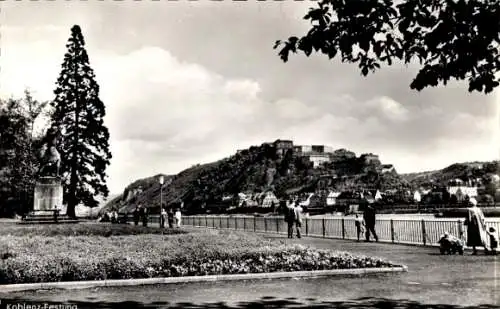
[161, 197]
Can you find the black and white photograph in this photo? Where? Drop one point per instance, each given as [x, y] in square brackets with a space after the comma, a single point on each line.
[232, 154]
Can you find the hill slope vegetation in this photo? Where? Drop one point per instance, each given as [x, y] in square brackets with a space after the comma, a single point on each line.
[262, 168]
[253, 170]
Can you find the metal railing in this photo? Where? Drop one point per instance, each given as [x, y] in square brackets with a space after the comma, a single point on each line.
[399, 231]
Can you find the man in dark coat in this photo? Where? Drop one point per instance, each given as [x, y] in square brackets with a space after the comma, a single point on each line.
[170, 215]
[136, 216]
[369, 217]
[144, 216]
[290, 218]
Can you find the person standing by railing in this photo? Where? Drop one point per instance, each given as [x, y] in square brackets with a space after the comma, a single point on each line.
[290, 217]
[163, 217]
[358, 222]
[115, 216]
[136, 215]
[369, 218]
[144, 215]
[476, 229]
[298, 218]
[170, 215]
[178, 216]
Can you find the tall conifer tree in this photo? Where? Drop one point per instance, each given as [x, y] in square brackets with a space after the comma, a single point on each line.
[78, 116]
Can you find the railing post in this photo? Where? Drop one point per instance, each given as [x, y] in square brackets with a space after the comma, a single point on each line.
[220, 220]
[213, 222]
[343, 229]
[245, 223]
[265, 224]
[254, 224]
[324, 228]
[392, 231]
[235, 223]
[206, 221]
[278, 225]
[228, 222]
[424, 234]
[307, 226]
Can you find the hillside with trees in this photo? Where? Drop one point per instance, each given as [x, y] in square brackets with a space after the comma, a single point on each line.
[481, 174]
[254, 170]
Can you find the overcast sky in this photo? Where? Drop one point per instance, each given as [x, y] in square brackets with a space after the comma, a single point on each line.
[192, 82]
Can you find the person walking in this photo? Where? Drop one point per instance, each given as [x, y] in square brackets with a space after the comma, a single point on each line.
[290, 217]
[178, 216]
[170, 215]
[298, 218]
[358, 222]
[115, 216]
[56, 213]
[144, 216]
[476, 229]
[136, 215]
[369, 217]
[163, 217]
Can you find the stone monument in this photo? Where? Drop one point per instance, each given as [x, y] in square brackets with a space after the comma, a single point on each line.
[48, 188]
[48, 195]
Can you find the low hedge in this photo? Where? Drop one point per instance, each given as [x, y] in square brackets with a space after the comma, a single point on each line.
[70, 258]
[84, 229]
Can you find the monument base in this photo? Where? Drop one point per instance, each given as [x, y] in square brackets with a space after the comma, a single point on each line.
[48, 198]
[48, 194]
[46, 217]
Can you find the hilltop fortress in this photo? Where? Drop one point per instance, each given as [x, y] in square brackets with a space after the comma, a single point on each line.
[321, 154]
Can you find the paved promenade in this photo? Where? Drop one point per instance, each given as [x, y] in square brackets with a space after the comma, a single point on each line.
[451, 281]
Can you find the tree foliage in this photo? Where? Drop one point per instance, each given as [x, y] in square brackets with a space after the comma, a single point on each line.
[18, 148]
[78, 115]
[451, 39]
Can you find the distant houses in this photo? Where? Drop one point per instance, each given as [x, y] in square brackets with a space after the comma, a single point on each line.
[387, 168]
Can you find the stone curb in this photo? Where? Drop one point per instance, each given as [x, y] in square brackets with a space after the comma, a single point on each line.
[169, 280]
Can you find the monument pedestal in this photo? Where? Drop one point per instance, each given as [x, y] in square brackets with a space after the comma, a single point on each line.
[48, 198]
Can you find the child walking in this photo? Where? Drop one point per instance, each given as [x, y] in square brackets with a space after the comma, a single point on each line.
[359, 226]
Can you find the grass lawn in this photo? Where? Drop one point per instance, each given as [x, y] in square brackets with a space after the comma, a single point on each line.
[94, 251]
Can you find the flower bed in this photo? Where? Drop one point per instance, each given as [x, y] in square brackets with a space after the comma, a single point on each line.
[70, 258]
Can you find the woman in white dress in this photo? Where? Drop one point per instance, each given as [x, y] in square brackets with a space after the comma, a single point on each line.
[178, 218]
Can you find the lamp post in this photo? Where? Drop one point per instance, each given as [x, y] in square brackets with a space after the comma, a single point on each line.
[161, 198]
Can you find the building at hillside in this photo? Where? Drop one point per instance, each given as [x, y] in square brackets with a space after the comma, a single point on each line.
[370, 158]
[317, 154]
[342, 154]
[331, 199]
[318, 148]
[417, 197]
[318, 159]
[270, 200]
[305, 149]
[461, 192]
[297, 150]
[387, 168]
[282, 146]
